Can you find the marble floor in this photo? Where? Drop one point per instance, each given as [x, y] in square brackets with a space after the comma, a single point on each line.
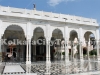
[13, 68]
[38, 69]
[22, 74]
[88, 73]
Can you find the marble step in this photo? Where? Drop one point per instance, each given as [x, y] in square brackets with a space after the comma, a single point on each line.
[13, 69]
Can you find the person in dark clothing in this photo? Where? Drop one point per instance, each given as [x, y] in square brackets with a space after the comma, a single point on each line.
[14, 54]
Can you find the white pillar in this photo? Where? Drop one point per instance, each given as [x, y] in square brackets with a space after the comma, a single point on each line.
[88, 55]
[30, 51]
[27, 58]
[1, 24]
[49, 53]
[28, 69]
[80, 50]
[47, 35]
[0, 50]
[28, 36]
[48, 62]
[66, 51]
[66, 37]
[97, 43]
[98, 54]
[88, 49]
[47, 58]
[80, 47]
[80, 43]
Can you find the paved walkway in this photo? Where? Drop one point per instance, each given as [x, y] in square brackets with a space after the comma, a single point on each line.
[13, 68]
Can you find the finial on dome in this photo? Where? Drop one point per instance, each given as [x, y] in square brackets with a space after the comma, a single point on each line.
[34, 6]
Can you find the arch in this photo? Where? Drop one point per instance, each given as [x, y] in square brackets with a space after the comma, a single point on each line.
[41, 27]
[12, 25]
[88, 34]
[38, 29]
[13, 32]
[55, 49]
[92, 31]
[58, 31]
[74, 34]
[14, 28]
[38, 50]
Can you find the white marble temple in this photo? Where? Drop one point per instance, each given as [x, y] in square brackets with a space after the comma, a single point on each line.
[45, 24]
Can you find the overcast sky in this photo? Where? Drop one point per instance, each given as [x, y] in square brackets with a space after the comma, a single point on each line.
[84, 8]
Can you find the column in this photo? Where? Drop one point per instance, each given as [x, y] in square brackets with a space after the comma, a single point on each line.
[98, 52]
[27, 50]
[47, 56]
[30, 51]
[28, 69]
[88, 49]
[80, 48]
[98, 55]
[48, 61]
[1, 34]
[47, 35]
[80, 43]
[66, 51]
[89, 64]
[97, 43]
[66, 37]
[49, 53]
[0, 50]
[28, 37]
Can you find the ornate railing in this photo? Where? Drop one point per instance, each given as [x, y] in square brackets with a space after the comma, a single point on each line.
[10, 11]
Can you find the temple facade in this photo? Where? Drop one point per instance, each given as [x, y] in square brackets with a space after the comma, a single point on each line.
[22, 25]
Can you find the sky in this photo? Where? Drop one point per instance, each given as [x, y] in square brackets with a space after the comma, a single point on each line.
[84, 8]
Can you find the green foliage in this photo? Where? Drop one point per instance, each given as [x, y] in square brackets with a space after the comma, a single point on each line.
[93, 52]
[63, 53]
